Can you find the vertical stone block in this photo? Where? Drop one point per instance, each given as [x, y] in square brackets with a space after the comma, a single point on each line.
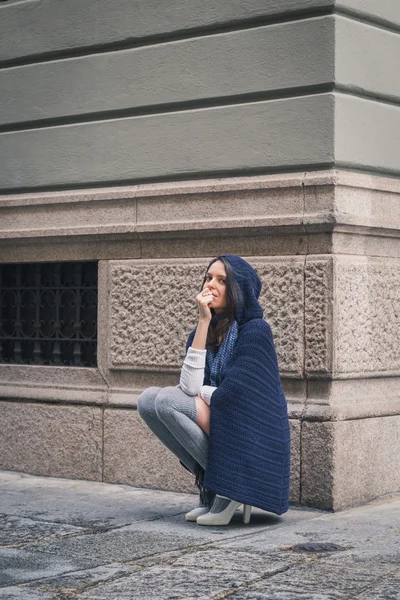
[318, 315]
[57, 441]
[317, 464]
[346, 463]
[366, 460]
[295, 462]
[134, 455]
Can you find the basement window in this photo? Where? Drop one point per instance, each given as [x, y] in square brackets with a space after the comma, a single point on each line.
[48, 314]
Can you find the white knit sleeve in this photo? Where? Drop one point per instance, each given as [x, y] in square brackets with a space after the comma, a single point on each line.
[206, 393]
[192, 373]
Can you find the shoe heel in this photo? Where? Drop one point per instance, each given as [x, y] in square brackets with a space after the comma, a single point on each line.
[246, 513]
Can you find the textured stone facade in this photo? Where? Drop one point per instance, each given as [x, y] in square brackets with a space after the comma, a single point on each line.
[153, 310]
[367, 323]
[282, 298]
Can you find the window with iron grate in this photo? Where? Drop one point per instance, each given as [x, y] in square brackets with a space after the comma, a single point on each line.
[48, 314]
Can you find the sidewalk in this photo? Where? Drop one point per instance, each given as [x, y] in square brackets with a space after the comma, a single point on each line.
[65, 539]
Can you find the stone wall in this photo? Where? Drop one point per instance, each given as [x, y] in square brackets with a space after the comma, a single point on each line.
[332, 305]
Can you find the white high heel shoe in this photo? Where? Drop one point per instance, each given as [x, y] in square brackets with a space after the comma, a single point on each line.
[196, 512]
[223, 517]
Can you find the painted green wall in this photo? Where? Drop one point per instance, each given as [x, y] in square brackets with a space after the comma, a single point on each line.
[108, 93]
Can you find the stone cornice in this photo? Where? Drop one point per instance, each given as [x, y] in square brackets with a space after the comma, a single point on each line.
[328, 201]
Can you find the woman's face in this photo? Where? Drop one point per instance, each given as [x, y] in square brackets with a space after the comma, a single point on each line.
[216, 283]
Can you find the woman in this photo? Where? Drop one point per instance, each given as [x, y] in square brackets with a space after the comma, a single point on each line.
[227, 421]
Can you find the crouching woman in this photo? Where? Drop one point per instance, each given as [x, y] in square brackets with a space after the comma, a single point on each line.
[227, 422]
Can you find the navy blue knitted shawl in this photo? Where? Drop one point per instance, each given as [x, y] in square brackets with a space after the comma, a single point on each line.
[249, 444]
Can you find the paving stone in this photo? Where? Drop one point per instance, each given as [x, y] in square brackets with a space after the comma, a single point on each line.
[73, 582]
[271, 540]
[161, 583]
[84, 503]
[20, 565]
[130, 542]
[388, 589]
[16, 531]
[380, 511]
[215, 558]
[327, 527]
[22, 593]
[49, 558]
[316, 578]
[382, 550]
[81, 579]
[124, 544]
[89, 541]
[76, 583]
[278, 595]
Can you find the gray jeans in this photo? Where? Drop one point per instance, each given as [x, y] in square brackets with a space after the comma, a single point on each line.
[171, 415]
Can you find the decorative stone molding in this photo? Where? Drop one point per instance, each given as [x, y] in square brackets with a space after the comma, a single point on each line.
[347, 399]
[53, 384]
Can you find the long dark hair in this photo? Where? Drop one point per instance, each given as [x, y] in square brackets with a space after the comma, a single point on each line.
[217, 333]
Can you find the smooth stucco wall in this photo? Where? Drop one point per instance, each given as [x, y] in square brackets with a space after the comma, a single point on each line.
[130, 92]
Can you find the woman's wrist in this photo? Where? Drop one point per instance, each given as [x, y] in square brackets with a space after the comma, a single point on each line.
[200, 337]
[204, 321]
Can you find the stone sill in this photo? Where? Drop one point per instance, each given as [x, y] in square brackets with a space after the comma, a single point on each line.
[114, 398]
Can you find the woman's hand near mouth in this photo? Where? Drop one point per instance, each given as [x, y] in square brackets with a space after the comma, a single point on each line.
[203, 300]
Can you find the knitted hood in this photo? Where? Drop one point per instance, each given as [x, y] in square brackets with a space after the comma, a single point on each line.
[249, 285]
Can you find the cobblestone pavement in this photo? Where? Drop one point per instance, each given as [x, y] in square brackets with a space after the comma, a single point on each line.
[64, 539]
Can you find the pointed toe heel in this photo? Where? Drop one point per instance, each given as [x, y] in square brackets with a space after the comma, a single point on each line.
[220, 518]
[222, 512]
[196, 512]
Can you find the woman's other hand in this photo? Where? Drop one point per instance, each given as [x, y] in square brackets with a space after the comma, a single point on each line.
[202, 415]
[203, 300]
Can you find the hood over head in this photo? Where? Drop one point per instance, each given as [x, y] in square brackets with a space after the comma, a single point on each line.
[249, 285]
